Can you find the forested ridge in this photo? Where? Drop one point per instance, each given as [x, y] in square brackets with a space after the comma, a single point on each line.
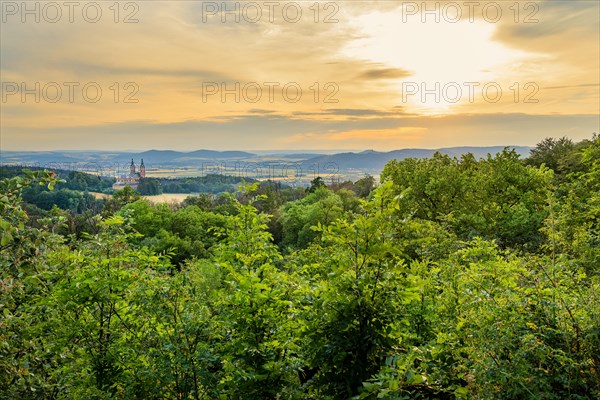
[454, 278]
[72, 192]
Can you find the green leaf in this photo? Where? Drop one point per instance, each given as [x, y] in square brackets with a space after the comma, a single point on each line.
[6, 239]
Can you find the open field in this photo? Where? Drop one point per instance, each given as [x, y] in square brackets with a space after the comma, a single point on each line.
[169, 197]
[160, 198]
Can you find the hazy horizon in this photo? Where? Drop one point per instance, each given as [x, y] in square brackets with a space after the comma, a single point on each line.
[257, 152]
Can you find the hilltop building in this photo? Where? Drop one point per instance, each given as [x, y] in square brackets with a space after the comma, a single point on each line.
[132, 179]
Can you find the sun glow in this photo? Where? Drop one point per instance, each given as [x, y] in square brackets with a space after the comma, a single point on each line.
[438, 55]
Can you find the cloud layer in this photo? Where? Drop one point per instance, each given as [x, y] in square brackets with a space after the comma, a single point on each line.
[339, 75]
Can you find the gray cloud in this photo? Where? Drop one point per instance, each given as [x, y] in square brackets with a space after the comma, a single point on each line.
[272, 131]
[573, 86]
[385, 73]
[355, 112]
[111, 70]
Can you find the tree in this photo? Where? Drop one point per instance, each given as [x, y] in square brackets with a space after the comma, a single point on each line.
[573, 227]
[119, 199]
[147, 218]
[551, 152]
[176, 345]
[356, 309]
[364, 186]
[316, 183]
[298, 217]
[149, 187]
[27, 272]
[205, 201]
[259, 326]
[495, 198]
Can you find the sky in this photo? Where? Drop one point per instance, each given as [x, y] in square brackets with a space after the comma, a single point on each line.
[343, 75]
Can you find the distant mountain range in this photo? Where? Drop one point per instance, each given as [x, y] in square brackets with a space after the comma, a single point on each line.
[170, 156]
[365, 160]
[375, 160]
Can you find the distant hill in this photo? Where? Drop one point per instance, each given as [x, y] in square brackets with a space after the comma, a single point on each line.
[42, 157]
[295, 156]
[375, 160]
[151, 156]
[178, 157]
[219, 154]
[366, 160]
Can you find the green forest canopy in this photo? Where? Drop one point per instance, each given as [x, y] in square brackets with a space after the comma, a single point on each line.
[455, 278]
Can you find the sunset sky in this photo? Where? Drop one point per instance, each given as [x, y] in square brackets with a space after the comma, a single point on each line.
[361, 67]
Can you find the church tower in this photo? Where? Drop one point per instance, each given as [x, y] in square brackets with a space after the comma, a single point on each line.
[132, 168]
[142, 169]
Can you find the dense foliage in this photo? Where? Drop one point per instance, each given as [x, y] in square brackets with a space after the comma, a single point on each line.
[71, 192]
[210, 183]
[454, 278]
[72, 180]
